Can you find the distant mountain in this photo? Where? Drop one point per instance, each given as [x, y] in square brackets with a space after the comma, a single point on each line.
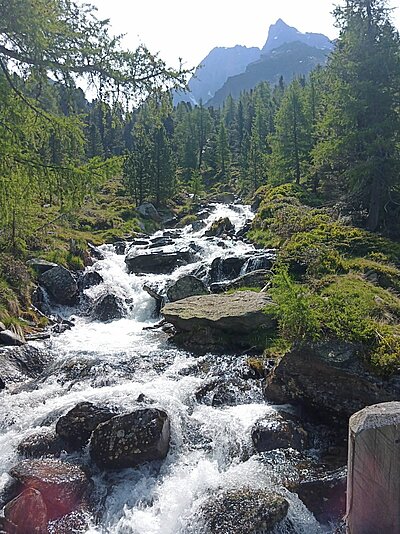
[289, 60]
[280, 33]
[214, 70]
[229, 71]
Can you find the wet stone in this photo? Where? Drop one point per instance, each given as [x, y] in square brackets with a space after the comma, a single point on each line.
[43, 443]
[76, 427]
[131, 440]
[61, 485]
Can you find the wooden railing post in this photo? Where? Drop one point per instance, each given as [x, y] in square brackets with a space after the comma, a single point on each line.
[373, 482]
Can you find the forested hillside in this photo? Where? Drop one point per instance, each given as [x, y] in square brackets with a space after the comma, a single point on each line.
[333, 133]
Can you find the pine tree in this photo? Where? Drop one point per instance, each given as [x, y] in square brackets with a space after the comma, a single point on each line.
[359, 133]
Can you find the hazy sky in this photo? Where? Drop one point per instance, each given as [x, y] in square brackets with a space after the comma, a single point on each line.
[190, 29]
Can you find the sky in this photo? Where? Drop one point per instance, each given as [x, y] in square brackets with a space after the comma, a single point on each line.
[190, 29]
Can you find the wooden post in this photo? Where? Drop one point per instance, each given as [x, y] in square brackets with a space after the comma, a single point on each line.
[373, 481]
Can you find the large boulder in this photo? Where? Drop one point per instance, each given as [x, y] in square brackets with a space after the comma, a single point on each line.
[243, 511]
[187, 286]
[62, 486]
[76, 426]
[324, 494]
[20, 363]
[41, 444]
[41, 266]
[60, 284]
[221, 322]
[278, 431]
[157, 262]
[132, 439]
[10, 338]
[220, 227]
[147, 210]
[226, 268]
[27, 513]
[330, 378]
[257, 279]
[108, 308]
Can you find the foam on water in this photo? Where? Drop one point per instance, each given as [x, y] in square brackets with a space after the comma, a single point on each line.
[114, 363]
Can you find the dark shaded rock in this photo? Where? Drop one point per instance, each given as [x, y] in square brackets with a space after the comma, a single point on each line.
[74, 523]
[19, 363]
[108, 308]
[120, 247]
[95, 252]
[220, 322]
[157, 262]
[226, 268]
[139, 242]
[2, 327]
[28, 513]
[221, 392]
[162, 241]
[132, 439]
[325, 495]
[224, 198]
[90, 279]
[76, 427]
[44, 443]
[9, 338]
[244, 230]
[220, 227]
[257, 279]
[156, 296]
[40, 301]
[279, 431]
[264, 260]
[187, 286]
[62, 486]
[148, 211]
[60, 284]
[243, 511]
[329, 378]
[41, 266]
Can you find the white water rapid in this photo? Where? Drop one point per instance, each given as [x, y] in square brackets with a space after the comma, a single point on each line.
[115, 362]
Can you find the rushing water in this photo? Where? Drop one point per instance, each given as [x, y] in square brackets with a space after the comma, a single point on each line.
[114, 363]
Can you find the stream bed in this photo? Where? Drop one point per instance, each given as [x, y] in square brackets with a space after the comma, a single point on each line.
[125, 365]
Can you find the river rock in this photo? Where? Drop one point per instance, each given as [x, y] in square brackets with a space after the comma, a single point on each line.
[61, 485]
[27, 513]
[330, 378]
[263, 260]
[95, 252]
[257, 279]
[220, 227]
[161, 241]
[224, 198]
[157, 262]
[324, 494]
[131, 440]
[108, 308]
[278, 431]
[2, 327]
[226, 268]
[220, 322]
[43, 443]
[41, 266]
[119, 248]
[76, 426]
[10, 338]
[243, 511]
[187, 286]
[90, 279]
[148, 211]
[19, 363]
[61, 285]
